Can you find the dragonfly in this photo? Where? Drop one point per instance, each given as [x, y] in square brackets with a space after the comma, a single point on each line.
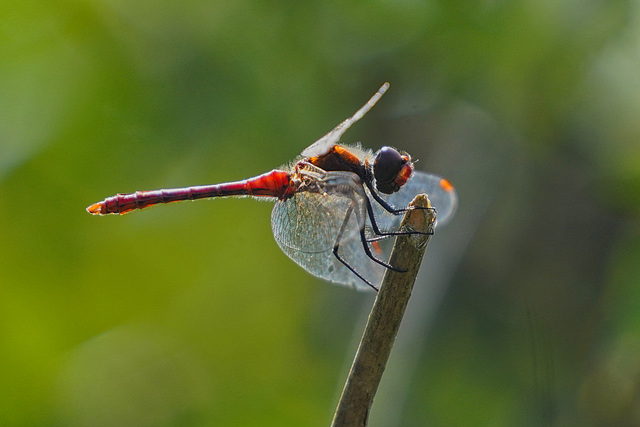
[334, 205]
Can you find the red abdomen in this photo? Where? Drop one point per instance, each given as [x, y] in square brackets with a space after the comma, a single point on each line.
[271, 184]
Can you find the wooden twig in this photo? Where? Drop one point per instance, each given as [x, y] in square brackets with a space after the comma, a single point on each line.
[384, 319]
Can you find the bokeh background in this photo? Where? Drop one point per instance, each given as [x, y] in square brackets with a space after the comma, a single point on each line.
[527, 310]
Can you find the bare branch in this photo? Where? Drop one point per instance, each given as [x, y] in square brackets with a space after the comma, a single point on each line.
[385, 317]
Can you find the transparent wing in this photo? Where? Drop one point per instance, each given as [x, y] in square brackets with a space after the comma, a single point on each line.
[310, 222]
[323, 145]
[309, 225]
[441, 194]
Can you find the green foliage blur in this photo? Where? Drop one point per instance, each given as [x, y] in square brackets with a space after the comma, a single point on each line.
[527, 311]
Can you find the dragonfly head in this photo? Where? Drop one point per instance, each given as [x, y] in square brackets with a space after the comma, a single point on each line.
[391, 170]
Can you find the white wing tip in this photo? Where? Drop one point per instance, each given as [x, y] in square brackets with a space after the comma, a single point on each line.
[322, 145]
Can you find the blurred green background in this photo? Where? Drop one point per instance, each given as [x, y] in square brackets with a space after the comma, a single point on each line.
[527, 311]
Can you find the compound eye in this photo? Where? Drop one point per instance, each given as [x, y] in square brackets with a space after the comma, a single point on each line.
[386, 167]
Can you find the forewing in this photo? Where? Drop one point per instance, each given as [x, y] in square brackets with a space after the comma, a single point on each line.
[308, 222]
[308, 225]
[326, 266]
[323, 145]
[441, 194]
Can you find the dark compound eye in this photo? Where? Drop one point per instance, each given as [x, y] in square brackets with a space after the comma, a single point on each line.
[386, 167]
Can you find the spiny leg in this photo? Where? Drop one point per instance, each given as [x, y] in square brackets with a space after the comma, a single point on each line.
[336, 247]
[365, 246]
[363, 237]
[346, 264]
[374, 225]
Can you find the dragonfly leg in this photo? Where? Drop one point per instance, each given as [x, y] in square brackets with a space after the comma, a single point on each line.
[387, 206]
[363, 237]
[367, 250]
[353, 270]
[336, 248]
[374, 225]
[365, 246]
